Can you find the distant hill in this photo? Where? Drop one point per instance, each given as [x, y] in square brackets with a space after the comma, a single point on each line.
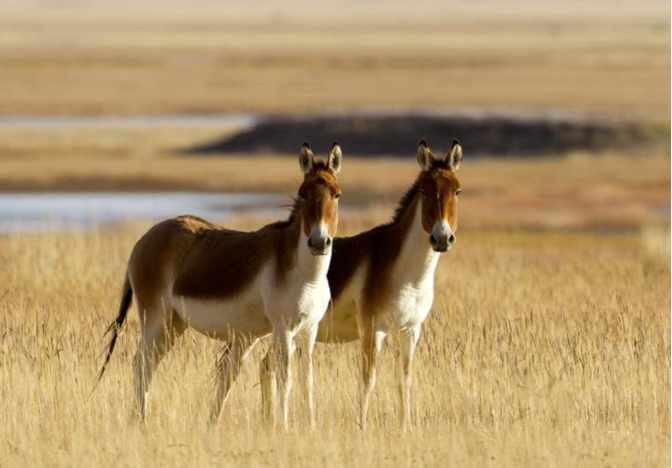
[498, 134]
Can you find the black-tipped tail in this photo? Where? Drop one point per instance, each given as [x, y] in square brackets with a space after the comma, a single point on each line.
[115, 327]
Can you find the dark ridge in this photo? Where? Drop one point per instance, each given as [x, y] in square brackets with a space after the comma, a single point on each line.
[397, 134]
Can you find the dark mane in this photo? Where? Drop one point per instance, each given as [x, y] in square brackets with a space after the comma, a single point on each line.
[296, 203]
[403, 205]
[408, 197]
[406, 201]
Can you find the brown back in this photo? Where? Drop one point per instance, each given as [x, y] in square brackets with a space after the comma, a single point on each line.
[221, 263]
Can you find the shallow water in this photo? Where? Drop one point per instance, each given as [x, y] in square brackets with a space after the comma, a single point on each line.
[241, 120]
[82, 212]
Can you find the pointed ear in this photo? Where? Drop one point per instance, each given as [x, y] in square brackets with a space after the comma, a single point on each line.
[454, 156]
[334, 159]
[306, 158]
[425, 158]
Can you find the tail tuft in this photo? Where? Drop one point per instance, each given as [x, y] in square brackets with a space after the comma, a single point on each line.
[115, 326]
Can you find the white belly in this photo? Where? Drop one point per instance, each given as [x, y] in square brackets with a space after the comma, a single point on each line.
[223, 318]
[297, 303]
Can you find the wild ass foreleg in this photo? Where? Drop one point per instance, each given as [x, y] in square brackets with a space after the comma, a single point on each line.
[372, 342]
[306, 370]
[283, 347]
[408, 340]
[229, 367]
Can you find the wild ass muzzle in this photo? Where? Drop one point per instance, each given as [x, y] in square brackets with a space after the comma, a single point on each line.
[236, 286]
[382, 280]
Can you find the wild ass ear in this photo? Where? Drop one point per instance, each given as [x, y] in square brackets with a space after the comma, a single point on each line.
[334, 159]
[306, 158]
[425, 158]
[454, 156]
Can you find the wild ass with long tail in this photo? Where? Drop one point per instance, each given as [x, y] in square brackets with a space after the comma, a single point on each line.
[382, 280]
[236, 286]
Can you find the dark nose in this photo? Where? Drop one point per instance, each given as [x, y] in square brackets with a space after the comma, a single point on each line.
[442, 243]
[319, 245]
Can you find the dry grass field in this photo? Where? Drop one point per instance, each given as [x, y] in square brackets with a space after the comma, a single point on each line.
[541, 350]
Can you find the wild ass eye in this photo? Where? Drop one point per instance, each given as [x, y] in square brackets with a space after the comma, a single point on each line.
[458, 191]
[337, 196]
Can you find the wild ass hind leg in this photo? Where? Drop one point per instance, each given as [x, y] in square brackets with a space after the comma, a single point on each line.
[230, 363]
[408, 341]
[373, 335]
[159, 330]
[268, 388]
[307, 346]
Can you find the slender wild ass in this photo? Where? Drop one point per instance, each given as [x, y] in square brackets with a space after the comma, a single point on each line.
[235, 286]
[382, 280]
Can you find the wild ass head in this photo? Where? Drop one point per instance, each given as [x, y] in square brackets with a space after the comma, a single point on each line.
[439, 188]
[318, 198]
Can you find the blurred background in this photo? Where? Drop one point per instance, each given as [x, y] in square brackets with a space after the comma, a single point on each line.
[113, 112]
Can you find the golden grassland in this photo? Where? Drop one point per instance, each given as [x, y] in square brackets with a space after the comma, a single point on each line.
[140, 57]
[542, 349]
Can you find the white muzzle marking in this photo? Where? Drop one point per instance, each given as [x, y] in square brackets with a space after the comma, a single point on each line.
[442, 237]
[319, 241]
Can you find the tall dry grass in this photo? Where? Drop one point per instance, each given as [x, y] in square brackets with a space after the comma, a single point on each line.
[541, 350]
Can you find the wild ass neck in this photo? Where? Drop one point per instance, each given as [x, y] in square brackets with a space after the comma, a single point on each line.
[417, 260]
